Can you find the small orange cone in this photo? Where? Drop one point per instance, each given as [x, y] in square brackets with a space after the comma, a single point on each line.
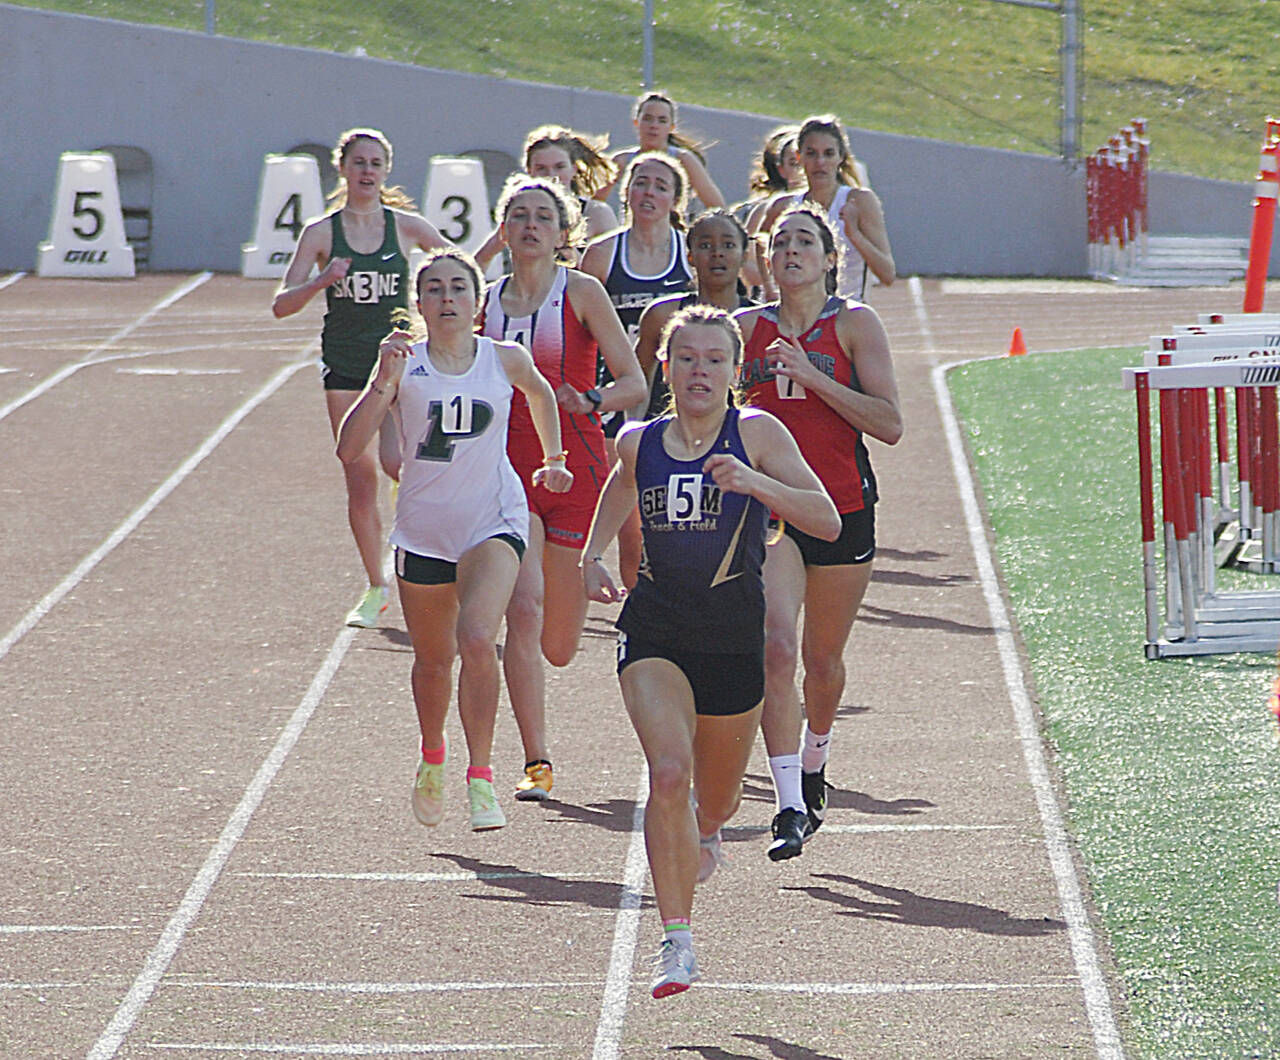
[1017, 346]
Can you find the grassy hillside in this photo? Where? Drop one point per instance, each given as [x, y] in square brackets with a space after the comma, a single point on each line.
[976, 71]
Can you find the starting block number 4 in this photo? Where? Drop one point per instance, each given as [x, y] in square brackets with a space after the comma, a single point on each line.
[86, 234]
[456, 200]
[289, 197]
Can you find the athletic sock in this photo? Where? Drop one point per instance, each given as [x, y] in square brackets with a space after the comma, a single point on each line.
[480, 772]
[786, 781]
[816, 749]
[433, 756]
[677, 930]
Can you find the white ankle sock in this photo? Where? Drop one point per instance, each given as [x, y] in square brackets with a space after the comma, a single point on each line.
[816, 749]
[786, 781]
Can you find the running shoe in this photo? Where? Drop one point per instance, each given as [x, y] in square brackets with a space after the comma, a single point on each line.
[535, 785]
[814, 788]
[372, 604]
[790, 830]
[677, 968]
[486, 814]
[428, 794]
[710, 856]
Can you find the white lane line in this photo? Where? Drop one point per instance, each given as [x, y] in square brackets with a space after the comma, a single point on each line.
[916, 288]
[51, 599]
[351, 1049]
[171, 939]
[882, 988]
[613, 1005]
[11, 279]
[371, 988]
[1106, 1034]
[866, 829]
[54, 929]
[70, 369]
[414, 877]
[179, 371]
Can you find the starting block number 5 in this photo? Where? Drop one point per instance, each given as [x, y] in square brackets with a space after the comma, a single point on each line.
[290, 196]
[86, 234]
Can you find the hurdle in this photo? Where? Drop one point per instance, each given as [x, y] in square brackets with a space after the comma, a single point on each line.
[1116, 199]
[1197, 617]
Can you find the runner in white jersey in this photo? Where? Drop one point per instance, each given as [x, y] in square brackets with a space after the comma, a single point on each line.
[462, 520]
[853, 210]
[457, 487]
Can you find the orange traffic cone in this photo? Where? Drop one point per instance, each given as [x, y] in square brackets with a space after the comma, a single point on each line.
[1017, 346]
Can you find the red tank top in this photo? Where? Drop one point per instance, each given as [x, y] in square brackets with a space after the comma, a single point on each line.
[831, 445]
[562, 348]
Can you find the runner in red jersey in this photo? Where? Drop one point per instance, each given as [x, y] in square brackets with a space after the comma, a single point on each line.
[822, 365]
[564, 318]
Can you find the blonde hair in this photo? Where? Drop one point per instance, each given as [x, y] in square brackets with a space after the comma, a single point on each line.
[592, 168]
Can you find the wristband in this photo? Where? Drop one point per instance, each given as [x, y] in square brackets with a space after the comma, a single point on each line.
[546, 460]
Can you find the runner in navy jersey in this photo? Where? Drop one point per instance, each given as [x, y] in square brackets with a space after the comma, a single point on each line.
[717, 245]
[691, 640]
[638, 264]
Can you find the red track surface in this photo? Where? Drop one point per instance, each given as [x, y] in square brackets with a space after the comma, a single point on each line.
[207, 842]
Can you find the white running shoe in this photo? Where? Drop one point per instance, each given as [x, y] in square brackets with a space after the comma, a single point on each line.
[372, 604]
[677, 968]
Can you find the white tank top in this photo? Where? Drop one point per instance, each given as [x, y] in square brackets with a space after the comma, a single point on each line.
[457, 487]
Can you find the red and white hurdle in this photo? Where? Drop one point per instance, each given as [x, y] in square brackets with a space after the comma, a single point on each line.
[1116, 199]
[1197, 617]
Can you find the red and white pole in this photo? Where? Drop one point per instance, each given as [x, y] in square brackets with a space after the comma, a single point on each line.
[1264, 215]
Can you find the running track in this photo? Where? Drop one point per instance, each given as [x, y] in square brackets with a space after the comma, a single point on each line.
[207, 845]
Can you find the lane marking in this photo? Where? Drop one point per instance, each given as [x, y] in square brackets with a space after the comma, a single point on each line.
[179, 371]
[66, 371]
[882, 988]
[171, 939]
[1106, 1034]
[39, 929]
[51, 599]
[353, 1049]
[11, 279]
[617, 984]
[916, 288]
[866, 829]
[372, 988]
[414, 877]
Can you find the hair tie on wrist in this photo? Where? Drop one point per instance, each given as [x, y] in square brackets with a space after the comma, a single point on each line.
[546, 461]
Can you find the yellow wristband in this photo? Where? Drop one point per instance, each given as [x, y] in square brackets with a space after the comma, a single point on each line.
[546, 461]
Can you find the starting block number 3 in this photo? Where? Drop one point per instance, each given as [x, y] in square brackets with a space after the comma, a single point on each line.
[289, 197]
[86, 234]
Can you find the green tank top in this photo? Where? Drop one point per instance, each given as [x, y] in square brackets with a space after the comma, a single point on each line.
[359, 308]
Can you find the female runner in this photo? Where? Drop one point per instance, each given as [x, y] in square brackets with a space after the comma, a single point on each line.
[637, 264]
[821, 364]
[654, 117]
[691, 634]
[854, 210]
[462, 522]
[360, 251]
[580, 165]
[717, 245]
[777, 171]
[562, 316]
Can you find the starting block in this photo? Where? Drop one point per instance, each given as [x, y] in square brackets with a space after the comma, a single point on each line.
[456, 200]
[289, 197]
[86, 234]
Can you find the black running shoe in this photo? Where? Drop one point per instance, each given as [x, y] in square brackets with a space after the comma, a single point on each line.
[814, 788]
[790, 830]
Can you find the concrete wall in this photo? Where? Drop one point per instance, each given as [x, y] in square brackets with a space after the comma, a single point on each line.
[208, 109]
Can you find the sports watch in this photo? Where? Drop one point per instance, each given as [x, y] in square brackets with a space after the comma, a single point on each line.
[594, 396]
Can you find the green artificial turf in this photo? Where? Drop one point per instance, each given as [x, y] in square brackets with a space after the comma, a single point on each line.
[1171, 767]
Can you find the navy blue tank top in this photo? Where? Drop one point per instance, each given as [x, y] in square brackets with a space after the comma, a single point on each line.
[700, 585]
